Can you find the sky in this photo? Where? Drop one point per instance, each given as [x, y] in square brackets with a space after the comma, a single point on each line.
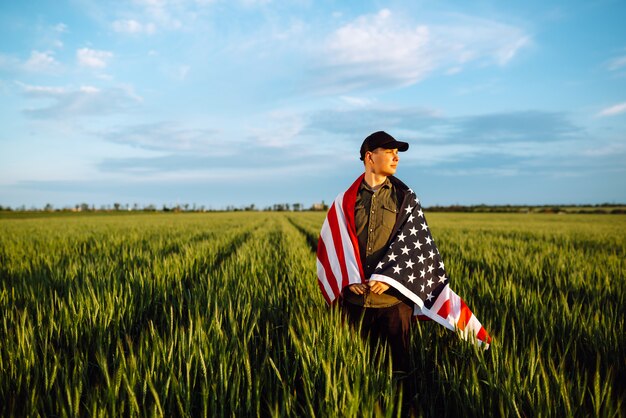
[217, 103]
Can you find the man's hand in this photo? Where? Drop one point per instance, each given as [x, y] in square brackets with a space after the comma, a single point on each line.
[358, 288]
[377, 287]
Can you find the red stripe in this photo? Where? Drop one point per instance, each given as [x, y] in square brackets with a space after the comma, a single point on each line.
[328, 301]
[444, 311]
[333, 222]
[322, 255]
[483, 336]
[464, 317]
[349, 201]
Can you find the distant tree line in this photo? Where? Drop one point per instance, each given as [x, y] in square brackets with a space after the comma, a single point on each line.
[125, 207]
[603, 208]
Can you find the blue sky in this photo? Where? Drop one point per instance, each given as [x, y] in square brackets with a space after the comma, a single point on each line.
[219, 103]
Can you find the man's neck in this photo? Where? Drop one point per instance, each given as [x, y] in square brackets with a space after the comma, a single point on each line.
[374, 180]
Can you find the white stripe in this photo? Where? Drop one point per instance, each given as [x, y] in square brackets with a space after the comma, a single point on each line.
[352, 266]
[400, 287]
[321, 275]
[333, 260]
[472, 326]
[455, 308]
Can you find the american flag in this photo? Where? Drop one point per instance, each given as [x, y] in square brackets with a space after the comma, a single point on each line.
[411, 264]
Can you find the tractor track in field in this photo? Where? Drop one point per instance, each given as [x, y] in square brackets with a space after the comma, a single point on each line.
[311, 240]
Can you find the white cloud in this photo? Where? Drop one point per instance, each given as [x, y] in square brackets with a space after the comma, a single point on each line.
[61, 28]
[374, 45]
[251, 3]
[383, 49]
[166, 136]
[89, 89]
[356, 101]
[133, 26]
[86, 100]
[41, 91]
[613, 110]
[167, 14]
[41, 62]
[93, 58]
[281, 130]
[617, 63]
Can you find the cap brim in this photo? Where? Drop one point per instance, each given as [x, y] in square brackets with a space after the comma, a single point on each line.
[401, 146]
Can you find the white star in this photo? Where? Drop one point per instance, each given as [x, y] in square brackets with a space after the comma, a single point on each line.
[401, 237]
[441, 266]
[397, 269]
[408, 209]
[420, 213]
[430, 269]
[409, 264]
[417, 199]
[429, 297]
[418, 244]
[379, 266]
[410, 218]
[422, 273]
[429, 240]
[411, 191]
[422, 288]
[411, 278]
[413, 231]
[424, 226]
[405, 250]
[392, 257]
[442, 279]
[430, 282]
[421, 258]
[431, 254]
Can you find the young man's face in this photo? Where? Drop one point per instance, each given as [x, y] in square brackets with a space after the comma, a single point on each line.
[384, 161]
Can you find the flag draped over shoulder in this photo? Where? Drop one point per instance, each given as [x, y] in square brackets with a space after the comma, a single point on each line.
[411, 264]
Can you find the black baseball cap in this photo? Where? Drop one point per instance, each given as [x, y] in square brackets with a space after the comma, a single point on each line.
[381, 139]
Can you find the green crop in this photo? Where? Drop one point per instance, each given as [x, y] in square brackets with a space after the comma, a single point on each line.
[221, 315]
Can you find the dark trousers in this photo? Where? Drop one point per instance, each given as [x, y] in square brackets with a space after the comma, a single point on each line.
[389, 324]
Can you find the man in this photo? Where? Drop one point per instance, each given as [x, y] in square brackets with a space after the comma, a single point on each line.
[376, 254]
[382, 312]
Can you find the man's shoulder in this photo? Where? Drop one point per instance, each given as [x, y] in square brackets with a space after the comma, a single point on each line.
[396, 182]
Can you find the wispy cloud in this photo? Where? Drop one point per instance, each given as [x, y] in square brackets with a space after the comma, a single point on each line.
[150, 16]
[42, 62]
[167, 136]
[93, 58]
[613, 110]
[61, 28]
[386, 50]
[87, 100]
[133, 26]
[617, 63]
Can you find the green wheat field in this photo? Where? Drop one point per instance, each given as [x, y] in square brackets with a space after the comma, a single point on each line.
[220, 314]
